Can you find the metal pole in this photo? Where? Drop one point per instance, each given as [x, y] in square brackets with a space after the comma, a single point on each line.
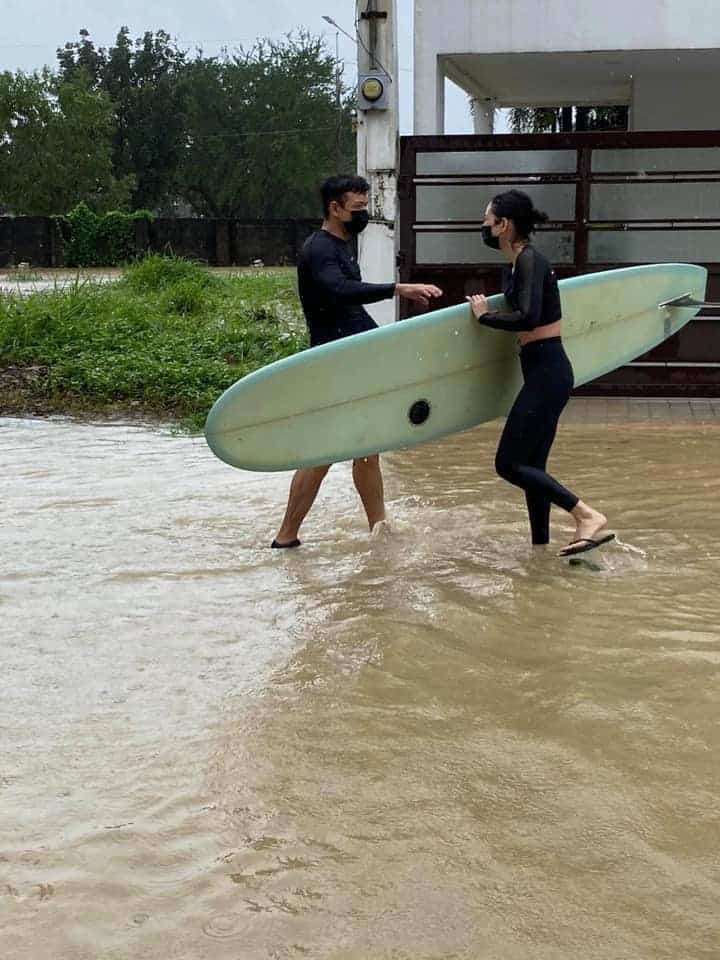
[338, 105]
[377, 146]
[372, 8]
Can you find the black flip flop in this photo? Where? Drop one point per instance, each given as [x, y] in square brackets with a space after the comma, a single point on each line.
[584, 545]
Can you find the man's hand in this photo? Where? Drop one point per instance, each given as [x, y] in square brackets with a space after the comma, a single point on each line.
[419, 292]
[478, 305]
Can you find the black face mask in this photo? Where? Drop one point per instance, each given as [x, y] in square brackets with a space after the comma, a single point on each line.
[488, 239]
[360, 219]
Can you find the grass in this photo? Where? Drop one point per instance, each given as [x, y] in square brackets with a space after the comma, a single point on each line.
[164, 341]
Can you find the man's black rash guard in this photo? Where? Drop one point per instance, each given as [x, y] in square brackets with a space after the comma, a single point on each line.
[532, 293]
[332, 291]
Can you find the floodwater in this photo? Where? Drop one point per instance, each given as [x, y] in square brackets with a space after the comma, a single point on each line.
[47, 282]
[433, 745]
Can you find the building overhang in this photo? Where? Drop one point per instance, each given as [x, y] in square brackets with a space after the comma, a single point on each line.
[592, 78]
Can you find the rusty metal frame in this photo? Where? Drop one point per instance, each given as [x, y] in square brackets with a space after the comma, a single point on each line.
[584, 178]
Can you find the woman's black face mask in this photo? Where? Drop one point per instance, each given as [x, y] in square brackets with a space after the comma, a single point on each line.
[488, 239]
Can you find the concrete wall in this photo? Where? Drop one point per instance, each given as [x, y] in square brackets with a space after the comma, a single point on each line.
[37, 241]
[34, 240]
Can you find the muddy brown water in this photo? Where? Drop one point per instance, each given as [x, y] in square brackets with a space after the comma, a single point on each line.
[438, 744]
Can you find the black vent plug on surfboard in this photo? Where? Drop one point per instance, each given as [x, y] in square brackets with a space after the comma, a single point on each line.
[419, 412]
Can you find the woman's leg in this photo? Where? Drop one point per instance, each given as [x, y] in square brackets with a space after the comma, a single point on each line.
[523, 451]
[538, 504]
[528, 437]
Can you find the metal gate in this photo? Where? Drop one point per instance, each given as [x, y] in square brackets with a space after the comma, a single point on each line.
[614, 199]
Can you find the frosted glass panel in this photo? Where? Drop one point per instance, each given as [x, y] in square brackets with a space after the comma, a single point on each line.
[649, 201]
[468, 247]
[497, 161]
[665, 158]
[654, 246]
[447, 203]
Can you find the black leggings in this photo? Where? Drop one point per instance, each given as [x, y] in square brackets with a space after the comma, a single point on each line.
[530, 430]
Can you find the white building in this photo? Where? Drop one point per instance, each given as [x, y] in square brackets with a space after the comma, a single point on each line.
[659, 57]
[652, 194]
[649, 194]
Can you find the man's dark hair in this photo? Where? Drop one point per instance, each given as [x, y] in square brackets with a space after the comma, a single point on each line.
[335, 188]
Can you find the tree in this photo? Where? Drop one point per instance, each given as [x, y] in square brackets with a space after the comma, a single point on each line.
[55, 146]
[142, 123]
[567, 119]
[262, 130]
[142, 78]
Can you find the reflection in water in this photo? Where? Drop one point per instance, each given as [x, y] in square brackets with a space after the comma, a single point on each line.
[438, 744]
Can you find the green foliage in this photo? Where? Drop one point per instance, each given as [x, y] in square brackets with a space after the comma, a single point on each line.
[567, 119]
[141, 79]
[156, 273]
[55, 146]
[92, 240]
[248, 135]
[166, 340]
[116, 235]
[263, 128]
[144, 124]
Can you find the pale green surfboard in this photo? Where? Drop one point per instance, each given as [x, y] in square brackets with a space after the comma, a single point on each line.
[361, 395]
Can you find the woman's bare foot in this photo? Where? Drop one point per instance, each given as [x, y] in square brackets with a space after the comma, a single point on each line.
[589, 522]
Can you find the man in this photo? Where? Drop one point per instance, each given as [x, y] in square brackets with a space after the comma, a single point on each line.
[332, 295]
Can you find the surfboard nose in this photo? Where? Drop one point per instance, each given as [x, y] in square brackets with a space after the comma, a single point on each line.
[217, 429]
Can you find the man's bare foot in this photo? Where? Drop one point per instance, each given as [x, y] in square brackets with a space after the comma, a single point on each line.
[381, 529]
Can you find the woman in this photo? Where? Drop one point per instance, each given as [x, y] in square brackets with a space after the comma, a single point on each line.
[533, 295]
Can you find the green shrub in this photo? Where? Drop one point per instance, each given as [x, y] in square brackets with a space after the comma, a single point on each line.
[166, 340]
[100, 241]
[156, 273]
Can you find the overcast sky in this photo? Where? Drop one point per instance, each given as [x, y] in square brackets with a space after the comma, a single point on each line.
[30, 31]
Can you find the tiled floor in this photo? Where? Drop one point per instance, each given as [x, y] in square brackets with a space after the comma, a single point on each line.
[620, 410]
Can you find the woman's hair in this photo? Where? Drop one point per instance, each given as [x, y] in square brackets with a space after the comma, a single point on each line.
[517, 206]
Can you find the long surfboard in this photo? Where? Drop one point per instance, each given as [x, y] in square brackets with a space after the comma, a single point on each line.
[429, 376]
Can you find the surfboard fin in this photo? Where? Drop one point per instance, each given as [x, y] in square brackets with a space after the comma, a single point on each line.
[687, 300]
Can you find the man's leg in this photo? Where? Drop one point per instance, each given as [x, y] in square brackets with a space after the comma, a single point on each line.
[303, 490]
[369, 484]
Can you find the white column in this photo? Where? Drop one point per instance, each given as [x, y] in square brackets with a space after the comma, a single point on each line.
[439, 98]
[377, 144]
[429, 94]
[483, 112]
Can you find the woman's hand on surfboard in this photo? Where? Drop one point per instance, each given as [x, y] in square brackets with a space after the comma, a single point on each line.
[478, 305]
[419, 292]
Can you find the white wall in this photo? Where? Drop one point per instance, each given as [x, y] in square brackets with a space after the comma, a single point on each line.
[664, 100]
[660, 102]
[523, 26]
